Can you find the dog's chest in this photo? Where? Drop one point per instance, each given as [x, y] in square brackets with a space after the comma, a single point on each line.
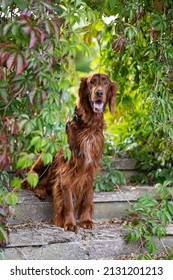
[90, 146]
[85, 143]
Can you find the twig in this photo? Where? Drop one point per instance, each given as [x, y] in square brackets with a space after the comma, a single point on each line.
[123, 195]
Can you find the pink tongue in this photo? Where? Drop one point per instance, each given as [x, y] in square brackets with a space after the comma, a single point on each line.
[98, 106]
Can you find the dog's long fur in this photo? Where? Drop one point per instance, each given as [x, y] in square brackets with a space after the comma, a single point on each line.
[73, 179]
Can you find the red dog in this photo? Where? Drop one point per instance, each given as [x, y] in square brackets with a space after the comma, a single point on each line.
[74, 178]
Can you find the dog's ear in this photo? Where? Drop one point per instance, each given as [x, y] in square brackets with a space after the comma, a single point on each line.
[82, 88]
[113, 89]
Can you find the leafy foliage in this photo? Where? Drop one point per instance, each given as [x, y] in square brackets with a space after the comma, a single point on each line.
[138, 53]
[38, 45]
[131, 41]
[108, 177]
[149, 218]
[137, 50]
[6, 198]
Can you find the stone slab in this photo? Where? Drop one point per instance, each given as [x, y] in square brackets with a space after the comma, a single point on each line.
[124, 163]
[54, 243]
[106, 204]
[105, 241]
[30, 238]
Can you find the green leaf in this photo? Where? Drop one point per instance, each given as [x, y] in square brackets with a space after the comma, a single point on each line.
[133, 236]
[169, 218]
[46, 158]
[16, 183]
[164, 218]
[15, 29]
[130, 32]
[40, 124]
[167, 183]
[25, 161]
[112, 3]
[170, 190]
[128, 227]
[21, 4]
[67, 154]
[3, 83]
[48, 26]
[7, 27]
[170, 207]
[3, 93]
[24, 116]
[78, 2]
[23, 123]
[32, 178]
[151, 246]
[127, 101]
[36, 141]
[3, 236]
[29, 127]
[11, 198]
[114, 180]
[85, 48]
[56, 29]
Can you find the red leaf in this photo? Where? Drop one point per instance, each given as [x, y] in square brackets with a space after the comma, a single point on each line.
[21, 63]
[42, 35]
[26, 12]
[4, 161]
[4, 45]
[26, 29]
[4, 56]
[33, 39]
[47, 47]
[11, 60]
[14, 129]
[24, 19]
[3, 137]
[31, 95]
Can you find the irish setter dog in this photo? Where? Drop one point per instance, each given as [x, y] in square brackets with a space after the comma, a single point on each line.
[73, 179]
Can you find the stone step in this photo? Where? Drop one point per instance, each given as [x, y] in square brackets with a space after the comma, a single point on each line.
[104, 241]
[106, 204]
[32, 236]
[126, 165]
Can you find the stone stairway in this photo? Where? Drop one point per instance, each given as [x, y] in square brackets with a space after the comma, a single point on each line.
[32, 236]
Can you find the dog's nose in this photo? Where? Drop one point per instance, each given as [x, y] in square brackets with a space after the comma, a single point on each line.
[99, 93]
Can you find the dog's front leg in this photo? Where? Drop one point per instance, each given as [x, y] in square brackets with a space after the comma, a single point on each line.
[85, 207]
[63, 208]
[69, 219]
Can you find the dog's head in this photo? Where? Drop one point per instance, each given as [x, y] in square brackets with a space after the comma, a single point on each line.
[97, 90]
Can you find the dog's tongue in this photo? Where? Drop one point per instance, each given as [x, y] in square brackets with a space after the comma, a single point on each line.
[98, 106]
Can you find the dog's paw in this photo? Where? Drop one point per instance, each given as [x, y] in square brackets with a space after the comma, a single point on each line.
[70, 227]
[41, 193]
[87, 224]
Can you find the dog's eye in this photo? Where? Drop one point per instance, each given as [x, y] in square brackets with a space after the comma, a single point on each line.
[92, 82]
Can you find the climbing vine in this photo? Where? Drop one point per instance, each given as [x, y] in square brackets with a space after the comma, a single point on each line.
[41, 43]
[38, 45]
